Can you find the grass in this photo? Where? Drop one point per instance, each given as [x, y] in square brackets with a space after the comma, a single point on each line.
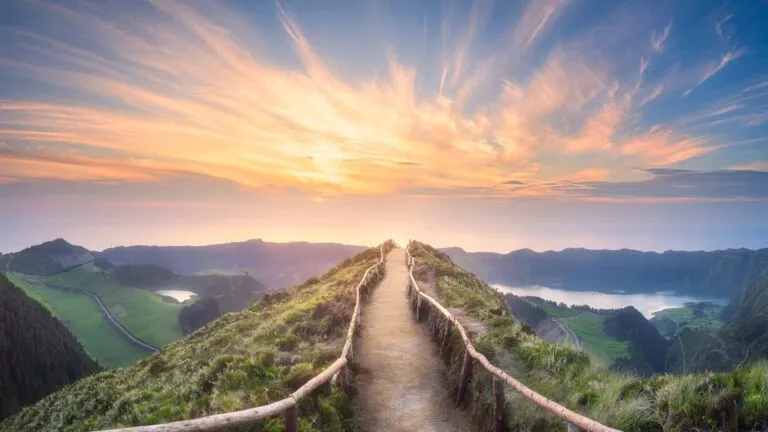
[80, 313]
[698, 316]
[552, 309]
[713, 401]
[241, 360]
[146, 315]
[588, 326]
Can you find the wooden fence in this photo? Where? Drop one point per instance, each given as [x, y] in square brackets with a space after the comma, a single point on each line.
[289, 406]
[575, 421]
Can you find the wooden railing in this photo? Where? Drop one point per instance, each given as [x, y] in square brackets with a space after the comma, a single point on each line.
[574, 421]
[288, 406]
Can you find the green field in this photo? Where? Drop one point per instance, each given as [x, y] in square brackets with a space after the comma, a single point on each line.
[148, 316]
[700, 316]
[80, 313]
[588, 327]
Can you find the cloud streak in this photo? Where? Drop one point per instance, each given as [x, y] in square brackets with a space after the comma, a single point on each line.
[175, 88]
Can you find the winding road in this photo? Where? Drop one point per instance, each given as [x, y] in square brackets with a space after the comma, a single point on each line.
[564, 326]
[104, 309]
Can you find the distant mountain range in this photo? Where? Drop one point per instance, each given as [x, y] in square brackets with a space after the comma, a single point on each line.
[717, 274]
[276, 265]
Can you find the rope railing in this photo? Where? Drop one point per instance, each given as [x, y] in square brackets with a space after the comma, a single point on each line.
[288, 406]
[574, 421]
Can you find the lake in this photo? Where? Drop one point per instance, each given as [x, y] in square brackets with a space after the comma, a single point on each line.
[647, 304]
[179, 295]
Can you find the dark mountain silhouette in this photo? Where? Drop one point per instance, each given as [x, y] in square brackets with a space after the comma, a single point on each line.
[719, 274]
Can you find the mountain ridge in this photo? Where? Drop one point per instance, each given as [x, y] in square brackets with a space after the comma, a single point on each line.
[719, 274]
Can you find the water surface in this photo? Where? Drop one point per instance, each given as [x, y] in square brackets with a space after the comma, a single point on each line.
[179, 295]
[647, 304]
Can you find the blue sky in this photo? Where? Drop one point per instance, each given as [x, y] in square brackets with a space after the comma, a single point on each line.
[487, 125]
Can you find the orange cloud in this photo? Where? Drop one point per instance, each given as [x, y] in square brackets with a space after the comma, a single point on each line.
[185, 94]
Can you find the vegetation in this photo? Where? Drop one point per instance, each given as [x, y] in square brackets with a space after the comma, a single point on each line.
[711, 401]
[719, 274]
[620, 338]
[151, 318]
[747, 318]
[198, 314]
[49, 258]
[241, 360]
[704, 316]
[38, 355]
[82, 316]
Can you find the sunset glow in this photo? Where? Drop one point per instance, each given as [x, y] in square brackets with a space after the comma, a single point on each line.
[213, 110]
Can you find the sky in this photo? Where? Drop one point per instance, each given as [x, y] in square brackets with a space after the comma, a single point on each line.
[486, 125]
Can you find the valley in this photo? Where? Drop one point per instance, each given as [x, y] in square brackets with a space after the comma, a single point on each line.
[607, 364]
[122, 313]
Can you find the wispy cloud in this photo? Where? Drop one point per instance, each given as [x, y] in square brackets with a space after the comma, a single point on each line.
[179, 88]
[658, 40]
[727, 58]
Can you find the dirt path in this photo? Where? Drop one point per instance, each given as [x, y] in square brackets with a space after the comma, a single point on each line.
[401, 384]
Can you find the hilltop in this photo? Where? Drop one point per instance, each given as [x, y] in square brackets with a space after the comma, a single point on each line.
[38, 355]
[48, 258]
[240, 360]
[720, 274]
[276, 265]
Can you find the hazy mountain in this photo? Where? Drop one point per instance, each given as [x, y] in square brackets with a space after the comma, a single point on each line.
[49, 258]
[274, 264]
[38, 354]
[708, 274]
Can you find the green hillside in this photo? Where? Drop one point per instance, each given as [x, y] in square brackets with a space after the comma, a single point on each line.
[712, 401]
[127, 292]
[49, 258]
[148, 316]
[747, 318]
[241, 360]
[82, 316]
[702, 316]
[38, 355]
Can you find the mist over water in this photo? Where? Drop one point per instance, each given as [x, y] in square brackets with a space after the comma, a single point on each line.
[179, 295]
[647, 304]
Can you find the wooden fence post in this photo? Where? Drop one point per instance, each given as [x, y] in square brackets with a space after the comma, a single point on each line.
[292, 419]
[498, 405]
[466, 373]
[418, 307]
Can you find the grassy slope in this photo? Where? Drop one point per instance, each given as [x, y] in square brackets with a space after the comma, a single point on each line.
[701, 316]
[588, 326]
[733, 401]
[241, 360]
[81, 314]
[145, 314]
